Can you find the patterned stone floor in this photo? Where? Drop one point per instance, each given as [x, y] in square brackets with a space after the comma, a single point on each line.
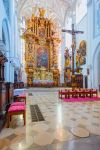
[65, 124]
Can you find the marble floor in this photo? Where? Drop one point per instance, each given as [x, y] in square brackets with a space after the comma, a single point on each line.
[67, 126]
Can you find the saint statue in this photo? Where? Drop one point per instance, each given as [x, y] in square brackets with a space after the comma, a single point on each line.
[49, 76]
[79, 59]
[67, 59]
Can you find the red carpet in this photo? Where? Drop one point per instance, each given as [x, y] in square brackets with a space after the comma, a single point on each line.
[87, 99]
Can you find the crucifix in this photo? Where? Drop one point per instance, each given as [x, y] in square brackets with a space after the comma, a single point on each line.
[73, 32]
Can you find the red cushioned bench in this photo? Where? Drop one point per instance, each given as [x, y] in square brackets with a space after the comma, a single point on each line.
[16, 109]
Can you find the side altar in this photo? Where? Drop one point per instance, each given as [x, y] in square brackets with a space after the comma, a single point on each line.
[41, 47]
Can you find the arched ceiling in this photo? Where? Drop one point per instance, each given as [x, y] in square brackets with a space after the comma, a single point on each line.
[55, 9]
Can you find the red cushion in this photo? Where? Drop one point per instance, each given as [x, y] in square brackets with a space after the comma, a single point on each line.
[17, 103]
[21, 96]
[16, 108]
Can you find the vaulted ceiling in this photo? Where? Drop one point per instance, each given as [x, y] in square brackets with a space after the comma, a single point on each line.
[56, 10]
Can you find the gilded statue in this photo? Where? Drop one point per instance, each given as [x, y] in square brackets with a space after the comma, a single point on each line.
[36, 75]
[82, 48]
[49, 76]
[42, 12]
[79, 59]
[68, 74]
[30, 47]
[30, 70]
[67, 58]
[68, 62]
[29, 81]
[30, 57]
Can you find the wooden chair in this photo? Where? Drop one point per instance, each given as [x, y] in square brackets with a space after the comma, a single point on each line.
[94, 92]
[16, 110]
[67, 94]
[88, 93]
[81, 93]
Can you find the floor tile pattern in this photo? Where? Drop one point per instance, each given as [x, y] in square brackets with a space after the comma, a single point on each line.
[64, 126]
[80, 132]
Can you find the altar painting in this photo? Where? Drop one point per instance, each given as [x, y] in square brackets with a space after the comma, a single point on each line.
[42, 57]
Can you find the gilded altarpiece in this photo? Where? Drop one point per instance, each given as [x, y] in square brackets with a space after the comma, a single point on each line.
[41, 48]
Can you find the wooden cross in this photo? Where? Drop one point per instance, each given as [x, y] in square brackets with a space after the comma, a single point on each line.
[73, 32]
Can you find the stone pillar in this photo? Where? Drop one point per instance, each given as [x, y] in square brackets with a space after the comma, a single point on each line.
[62, 59]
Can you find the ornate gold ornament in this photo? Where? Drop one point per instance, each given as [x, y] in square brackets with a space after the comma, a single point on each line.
[42, 12]
[41, 48]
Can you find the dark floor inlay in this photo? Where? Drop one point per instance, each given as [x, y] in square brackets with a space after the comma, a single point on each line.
[36, 114]
[33, 114]
[30, 94]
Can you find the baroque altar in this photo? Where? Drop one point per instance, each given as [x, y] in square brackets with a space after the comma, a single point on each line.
[41, 48]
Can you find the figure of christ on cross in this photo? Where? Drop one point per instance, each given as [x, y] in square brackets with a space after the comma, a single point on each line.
[73, 32]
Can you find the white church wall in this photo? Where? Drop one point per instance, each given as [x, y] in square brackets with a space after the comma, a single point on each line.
[62, 59]
[89, 24]
[7, 28]
[81, 25]
[94, 43]
[15, 38]
[96, 70]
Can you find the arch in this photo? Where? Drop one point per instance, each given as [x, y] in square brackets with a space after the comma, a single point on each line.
[5, 34]
[96, 65]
